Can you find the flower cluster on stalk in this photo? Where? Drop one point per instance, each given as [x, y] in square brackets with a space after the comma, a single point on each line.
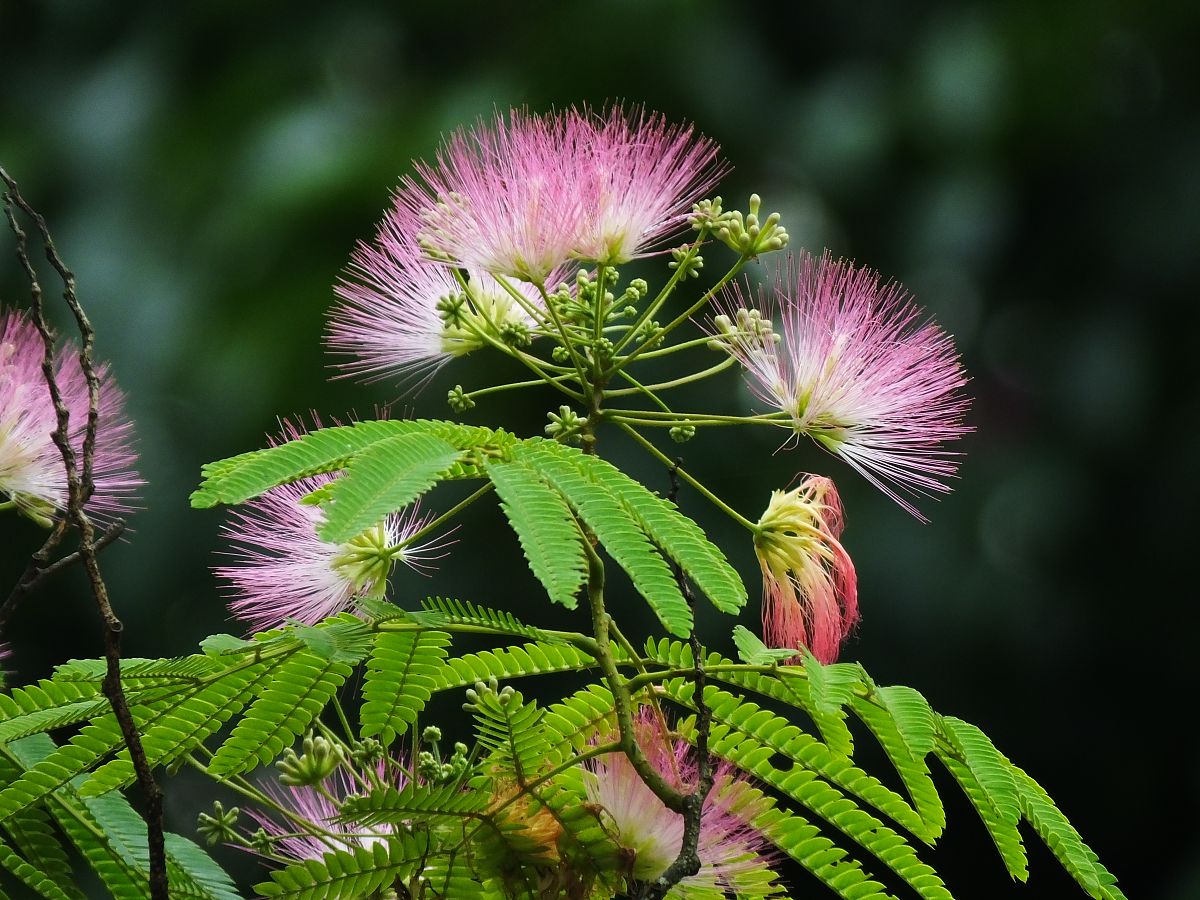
[514, 234]
[281, 571]
[33, 478]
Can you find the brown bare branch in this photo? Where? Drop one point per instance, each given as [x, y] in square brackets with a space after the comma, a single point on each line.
[79, 490]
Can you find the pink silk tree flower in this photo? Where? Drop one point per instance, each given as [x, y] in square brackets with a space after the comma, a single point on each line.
[282, 571]
[503, 199]
[810, 589]
[32, 476]
[733, 854]
[855, 368]
[294, 838]
[403, 314]
[641, 177]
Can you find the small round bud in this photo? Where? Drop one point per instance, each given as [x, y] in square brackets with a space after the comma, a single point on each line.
[681, 434]
[458, 399]
[220, 825]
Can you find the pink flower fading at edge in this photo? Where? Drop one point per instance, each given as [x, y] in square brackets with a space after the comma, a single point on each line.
[503, 199]
[31, 468]
[309, 804]
[282, 571]
[855, 368]
[389, 322]
[641, 177]
[810, 588]
[733, 854]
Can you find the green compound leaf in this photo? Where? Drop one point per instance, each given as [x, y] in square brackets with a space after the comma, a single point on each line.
[549, 535]
[616, 530]
[787, 684]
[443, 612]
[753, 651]
[402, 673]
[387, 476]
[912, 770]
[355, 872]
[111, 836]
[675, 534]
[825, 860]
[993, 772]
[33, 835]
[387, 805]
[298, 691]
[239, 478]
[180, 727]
[512, 662]
[915, 720]
[831, 686]
[1063, 840]
[1005, 835]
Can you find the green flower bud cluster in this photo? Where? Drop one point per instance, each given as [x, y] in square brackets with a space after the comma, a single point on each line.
[458, 399]
[318, 761]
[453, 310]
[633, 294]
[706, 214]
[602, 351]
[681, 434]
[748, 235]
[366, 753]
[516, 334]
[565, 425]
[261, 842]
[219, 826]
[687, 260]
[430, 767]
[650, 333]
[747, 324]
[486, 692]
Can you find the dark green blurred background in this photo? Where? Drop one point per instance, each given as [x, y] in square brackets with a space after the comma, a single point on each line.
[1030, 170]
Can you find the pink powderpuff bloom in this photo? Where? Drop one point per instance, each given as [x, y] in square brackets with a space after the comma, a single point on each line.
[503, 200]
[32, 475]
[855, 368]
[394, 316]
[282, 571]
[810, 589]
[640, 177]
[295, 840]
[734, 855]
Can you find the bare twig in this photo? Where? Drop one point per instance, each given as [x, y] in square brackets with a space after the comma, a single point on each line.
[38, 570]
[688, 861]
[79, 490]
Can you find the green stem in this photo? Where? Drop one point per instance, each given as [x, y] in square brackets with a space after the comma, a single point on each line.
[567, 342]
[670, 463]
[662, 789]
[775, 418]
[641, 389]
[682, 317]
[676, 348]
[677, 382]
[654, 305]
[436, 523]
[535, 382]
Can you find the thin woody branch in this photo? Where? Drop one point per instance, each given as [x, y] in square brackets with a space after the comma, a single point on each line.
[79, 473]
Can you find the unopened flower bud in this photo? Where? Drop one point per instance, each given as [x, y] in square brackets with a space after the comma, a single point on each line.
[458, 399]
[320, 757]
[809, 584]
